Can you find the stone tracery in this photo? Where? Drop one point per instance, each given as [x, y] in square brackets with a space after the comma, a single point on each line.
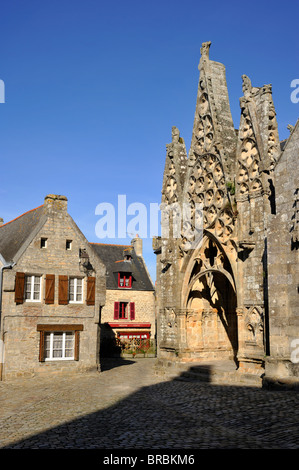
[216, 284]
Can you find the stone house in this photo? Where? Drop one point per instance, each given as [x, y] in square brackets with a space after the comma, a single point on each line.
[227, 275]
[53, 287]
[129, 312]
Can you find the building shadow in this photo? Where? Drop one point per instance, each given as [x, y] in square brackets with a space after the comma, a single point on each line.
[109, 345]
[181, 413]
[108, 363]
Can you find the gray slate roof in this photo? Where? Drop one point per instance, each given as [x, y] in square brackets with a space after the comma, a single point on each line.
[113, 258]
[13, 234]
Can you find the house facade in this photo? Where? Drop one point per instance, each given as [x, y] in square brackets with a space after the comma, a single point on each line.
[53, 287]
[128, 317]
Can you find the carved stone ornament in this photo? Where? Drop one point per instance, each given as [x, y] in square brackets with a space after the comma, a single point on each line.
[246, 87]
[254, 321]
[170, 318]
[205, 48]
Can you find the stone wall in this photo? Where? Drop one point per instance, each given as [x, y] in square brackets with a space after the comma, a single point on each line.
[283, 255]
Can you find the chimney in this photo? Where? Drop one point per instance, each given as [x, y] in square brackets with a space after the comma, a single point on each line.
[137, 245]
[55, 203]
[1, 221]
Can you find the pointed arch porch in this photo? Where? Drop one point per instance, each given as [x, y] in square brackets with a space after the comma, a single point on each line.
[209, 323]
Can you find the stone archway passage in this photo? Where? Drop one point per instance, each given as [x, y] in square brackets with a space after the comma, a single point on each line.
[211, 326]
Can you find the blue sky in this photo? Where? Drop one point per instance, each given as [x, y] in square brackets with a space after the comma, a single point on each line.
[92, 89]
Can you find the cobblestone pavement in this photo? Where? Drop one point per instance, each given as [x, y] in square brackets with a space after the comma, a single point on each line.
[128, 407]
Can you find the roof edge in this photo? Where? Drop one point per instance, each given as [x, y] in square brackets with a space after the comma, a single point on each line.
[19, 216]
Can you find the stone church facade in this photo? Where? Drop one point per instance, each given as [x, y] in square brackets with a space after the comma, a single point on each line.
[227, 275]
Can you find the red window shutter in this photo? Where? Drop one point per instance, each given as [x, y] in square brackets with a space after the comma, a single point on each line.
[132, 310]
[90, 295]
[116, 310]
[63, 290]
[19, 288]
[50, 289]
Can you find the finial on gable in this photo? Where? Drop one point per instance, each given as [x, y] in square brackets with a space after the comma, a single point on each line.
[204, 51]
[175, 133]
[246, 86]
[205, 48]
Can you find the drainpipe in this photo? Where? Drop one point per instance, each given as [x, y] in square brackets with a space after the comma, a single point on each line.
[6, 266]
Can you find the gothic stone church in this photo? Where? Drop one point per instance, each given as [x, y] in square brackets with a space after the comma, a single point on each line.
[230, 292]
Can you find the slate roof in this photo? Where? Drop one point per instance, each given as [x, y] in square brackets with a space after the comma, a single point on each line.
[113, 258]
[14, 233]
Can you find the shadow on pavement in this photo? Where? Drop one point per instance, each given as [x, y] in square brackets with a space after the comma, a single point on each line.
[178, 414]
[108, 363]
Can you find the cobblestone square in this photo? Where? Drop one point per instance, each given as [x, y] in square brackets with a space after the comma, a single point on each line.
[127, 406]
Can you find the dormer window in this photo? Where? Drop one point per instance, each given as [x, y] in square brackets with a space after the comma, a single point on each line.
[124, 280]
[127, 257]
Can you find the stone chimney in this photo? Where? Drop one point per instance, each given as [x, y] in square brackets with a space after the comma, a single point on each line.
[137, 245]
[1, 221]
[55, 203]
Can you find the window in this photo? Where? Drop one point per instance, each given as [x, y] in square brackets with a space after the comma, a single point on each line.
[75, 289]
[59, 346]
[59, 342]
[33, 288]
[68, 244]
[122, 309]
[43, 242]
[124, 280]
[133, 335]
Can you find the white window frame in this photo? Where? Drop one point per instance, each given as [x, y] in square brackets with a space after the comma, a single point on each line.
[75, 301]
[63, 358]
[32, 283]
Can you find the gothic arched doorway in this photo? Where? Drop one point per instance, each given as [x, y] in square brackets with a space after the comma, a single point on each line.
[211, 302]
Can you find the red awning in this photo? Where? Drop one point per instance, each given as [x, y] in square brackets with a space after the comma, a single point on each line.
[129, 325]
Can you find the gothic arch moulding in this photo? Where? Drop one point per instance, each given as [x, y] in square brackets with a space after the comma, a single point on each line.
[209, 298]
[210, 257]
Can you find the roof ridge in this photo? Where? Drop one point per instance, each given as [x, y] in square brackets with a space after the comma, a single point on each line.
[16, 218]
[107, 244]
